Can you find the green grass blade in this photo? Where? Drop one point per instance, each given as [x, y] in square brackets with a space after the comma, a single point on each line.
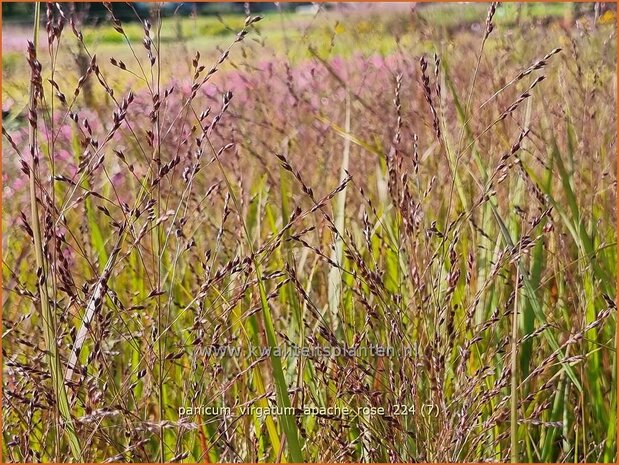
[335, 274]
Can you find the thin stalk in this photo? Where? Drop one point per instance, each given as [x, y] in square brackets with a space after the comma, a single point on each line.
[514, 380]
[50, 332]
[159, 252]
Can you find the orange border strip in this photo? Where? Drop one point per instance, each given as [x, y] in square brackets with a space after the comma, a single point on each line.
[344, 1]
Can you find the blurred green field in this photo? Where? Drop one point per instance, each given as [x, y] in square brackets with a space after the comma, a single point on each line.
[286, 31]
